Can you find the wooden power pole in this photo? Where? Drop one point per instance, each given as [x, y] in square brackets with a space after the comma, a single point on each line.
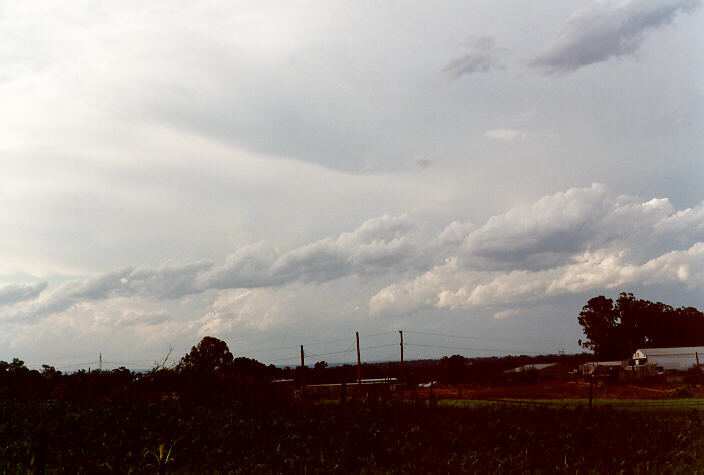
[359, 363]
[400, 332]
[303, 368]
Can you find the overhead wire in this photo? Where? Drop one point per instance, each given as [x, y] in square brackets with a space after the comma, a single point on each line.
[467, 348]
[466, 337]
[341, 353]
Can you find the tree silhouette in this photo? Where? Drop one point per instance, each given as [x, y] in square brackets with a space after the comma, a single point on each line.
[210, 356]
[614, 330]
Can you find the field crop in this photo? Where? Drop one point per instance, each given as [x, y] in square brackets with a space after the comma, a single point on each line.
[179, 437]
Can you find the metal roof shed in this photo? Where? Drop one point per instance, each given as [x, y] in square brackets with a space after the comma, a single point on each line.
[679, 358]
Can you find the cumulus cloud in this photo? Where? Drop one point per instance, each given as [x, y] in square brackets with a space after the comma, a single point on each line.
[607, 29]
[483, 55]
[590, 272]
[380, 244]
[242, 308]
[385, 244]
[572, 242]
[581, 240]
[538, 234]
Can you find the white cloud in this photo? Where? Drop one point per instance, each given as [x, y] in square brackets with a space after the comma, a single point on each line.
[541, 233]
[506, 135]
[237, 309]
[571, 243]
[511, 312]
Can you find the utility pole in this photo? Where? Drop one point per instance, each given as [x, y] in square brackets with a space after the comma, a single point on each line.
[303, 368]
[359, 363]
[100, 361]
[400, 332]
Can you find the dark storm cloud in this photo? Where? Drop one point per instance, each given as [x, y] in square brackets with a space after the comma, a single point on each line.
[604, 30]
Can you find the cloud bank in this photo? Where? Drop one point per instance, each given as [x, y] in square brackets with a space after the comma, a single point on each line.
[578, 241]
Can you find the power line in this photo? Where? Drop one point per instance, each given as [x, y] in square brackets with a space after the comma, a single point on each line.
[377, 334]
[466, 348]
[316, 343]
[330, 353]
[281, 359]
[378, 346]
[505, 340]
[259, 350]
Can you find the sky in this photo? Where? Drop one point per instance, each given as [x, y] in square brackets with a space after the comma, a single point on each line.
[277, 174]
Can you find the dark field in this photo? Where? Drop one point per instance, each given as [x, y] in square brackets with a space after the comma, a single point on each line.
[373, 437]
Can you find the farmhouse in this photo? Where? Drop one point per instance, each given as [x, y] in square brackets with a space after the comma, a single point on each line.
[673, 359]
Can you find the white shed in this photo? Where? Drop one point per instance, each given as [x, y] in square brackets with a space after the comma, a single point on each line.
[680, 358]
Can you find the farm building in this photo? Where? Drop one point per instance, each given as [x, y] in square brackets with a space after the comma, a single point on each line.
[542, 370]
[601, 367]
[621, 369]
[673, 359]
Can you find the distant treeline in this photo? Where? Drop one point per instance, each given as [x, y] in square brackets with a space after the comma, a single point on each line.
[210, 370]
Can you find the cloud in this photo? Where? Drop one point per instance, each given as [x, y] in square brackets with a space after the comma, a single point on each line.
[577, 241]
[380, 244]
[535, 235]
[607, 29]
[241, 308]
[512, 312]
[483, 56]
[423, 162]
[506, 135]
[385, 244]
[452, 288]
[11, 294]
[572, 242]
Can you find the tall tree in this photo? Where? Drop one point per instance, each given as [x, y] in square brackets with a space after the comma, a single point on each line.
[210, 356]
[614, 330]
[599, 319]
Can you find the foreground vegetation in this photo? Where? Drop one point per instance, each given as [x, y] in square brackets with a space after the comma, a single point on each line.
[183, 436]
[213, 413]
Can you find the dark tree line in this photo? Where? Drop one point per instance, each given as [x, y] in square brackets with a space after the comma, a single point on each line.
[208, 371]
[614, 330]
